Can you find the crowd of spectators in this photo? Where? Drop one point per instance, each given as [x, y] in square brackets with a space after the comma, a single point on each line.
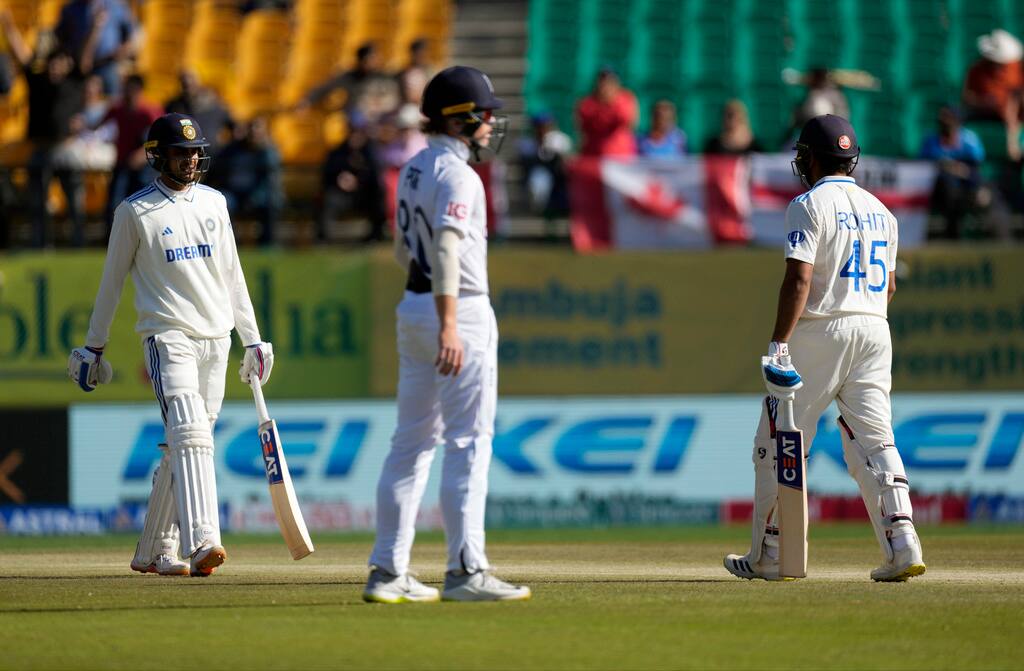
[969, 185]
[88, 114]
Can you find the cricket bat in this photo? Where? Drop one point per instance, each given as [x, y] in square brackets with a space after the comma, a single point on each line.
[791, 514]
[282, 494]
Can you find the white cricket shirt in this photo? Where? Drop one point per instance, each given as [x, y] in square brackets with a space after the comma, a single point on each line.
[180, 250]
[851, 239]
[437, 189]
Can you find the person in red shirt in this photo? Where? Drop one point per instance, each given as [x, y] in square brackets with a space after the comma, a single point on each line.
[994, 86]
[607, 118]
[132, 116]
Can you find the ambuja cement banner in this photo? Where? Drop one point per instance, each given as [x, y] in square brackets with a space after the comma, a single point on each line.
[551, 453]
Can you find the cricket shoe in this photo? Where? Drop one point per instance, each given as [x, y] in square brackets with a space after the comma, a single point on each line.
[162, 565]
[384, 587]
[480, 586]
[206, 559]
[742, 567]
[905, 564]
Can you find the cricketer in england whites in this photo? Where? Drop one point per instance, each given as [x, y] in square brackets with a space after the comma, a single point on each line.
[175, 239]
[447, 350]
[831, 323]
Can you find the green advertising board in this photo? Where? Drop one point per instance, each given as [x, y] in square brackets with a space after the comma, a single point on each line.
[626, 323]
[313, 307]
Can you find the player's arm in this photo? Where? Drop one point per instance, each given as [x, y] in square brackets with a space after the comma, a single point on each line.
[796, 285]
[892, 287]
[452, 207]
[258, 359]
[86, 365]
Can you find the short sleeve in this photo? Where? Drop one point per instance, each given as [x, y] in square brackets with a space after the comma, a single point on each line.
[455, 199]
[802, 233]
[894, 239]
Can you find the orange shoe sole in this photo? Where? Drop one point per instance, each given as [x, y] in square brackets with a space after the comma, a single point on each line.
[207, 564]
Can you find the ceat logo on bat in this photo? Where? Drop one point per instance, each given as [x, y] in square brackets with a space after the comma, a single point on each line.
[457, 210]
[789, 466]
[844, 142]
[270, 458]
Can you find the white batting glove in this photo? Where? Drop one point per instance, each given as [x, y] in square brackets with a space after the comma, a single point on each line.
[780, 377]
[257, 362]
[88, 368]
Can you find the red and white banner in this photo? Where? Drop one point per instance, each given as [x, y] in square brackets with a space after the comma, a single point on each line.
[698, 202]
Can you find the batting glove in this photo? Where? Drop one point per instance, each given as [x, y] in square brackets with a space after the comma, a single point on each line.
[780, 377]
[88, 368]
[257, 363]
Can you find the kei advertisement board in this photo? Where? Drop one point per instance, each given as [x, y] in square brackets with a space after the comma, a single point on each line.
[552, 453]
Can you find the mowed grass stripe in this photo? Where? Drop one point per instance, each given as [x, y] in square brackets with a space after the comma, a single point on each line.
[606, 599]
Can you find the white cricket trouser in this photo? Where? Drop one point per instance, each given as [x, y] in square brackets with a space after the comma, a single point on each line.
[188, 380]
[434, 409]
[847, 359]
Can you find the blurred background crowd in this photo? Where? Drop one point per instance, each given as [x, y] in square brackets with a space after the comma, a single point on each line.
[311, 106]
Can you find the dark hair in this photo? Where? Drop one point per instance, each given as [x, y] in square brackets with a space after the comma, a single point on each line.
[365, 50]
[419, 44]
[435, 125]
[832, 165]
[135, 79]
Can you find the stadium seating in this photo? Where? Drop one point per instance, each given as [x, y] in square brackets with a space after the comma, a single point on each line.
[702, 52]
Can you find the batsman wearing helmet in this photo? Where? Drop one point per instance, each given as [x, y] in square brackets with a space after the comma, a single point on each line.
[175, 239]
[831, 342]
[447, 350]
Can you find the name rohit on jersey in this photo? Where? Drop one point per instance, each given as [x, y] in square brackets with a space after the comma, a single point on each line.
[188, 253]
[874, 221]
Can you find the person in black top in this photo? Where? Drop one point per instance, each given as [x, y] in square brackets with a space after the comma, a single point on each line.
[352, 181]
[56, 85]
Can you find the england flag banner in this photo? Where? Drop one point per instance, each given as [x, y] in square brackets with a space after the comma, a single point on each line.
[698, 202]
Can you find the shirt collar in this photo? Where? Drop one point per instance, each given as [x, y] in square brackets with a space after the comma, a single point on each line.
[835, 178]
[453, 144]
[188, 194]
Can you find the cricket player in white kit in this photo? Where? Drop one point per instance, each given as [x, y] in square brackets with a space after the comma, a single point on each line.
[832, 334]
[447, 348]
[175, 239]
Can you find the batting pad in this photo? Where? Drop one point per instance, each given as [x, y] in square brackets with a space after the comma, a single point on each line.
[160, 530]
[195, 486]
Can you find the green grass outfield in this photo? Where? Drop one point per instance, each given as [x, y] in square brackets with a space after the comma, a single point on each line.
[603, 599]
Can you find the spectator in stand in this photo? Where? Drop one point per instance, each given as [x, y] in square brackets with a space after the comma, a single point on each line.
[823, 96]
[202, 104]
[248, 173]
[115, 43]
[91, 146]
[736, 136]
[665, 139]
[543, 155]
[404, 138]
[368, 91]
[352, 182]
[607, 118]
[132, 117]
[958, 189]
[417, 73]
[56, 84]
[994, 86]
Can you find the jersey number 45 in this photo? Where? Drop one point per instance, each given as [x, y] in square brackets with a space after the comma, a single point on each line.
[852, 269]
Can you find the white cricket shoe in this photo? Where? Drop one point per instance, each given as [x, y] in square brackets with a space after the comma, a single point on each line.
[906, 564]
[742, 567]
[206, 559]
[162, 565]
[480, 586]
[384, 587]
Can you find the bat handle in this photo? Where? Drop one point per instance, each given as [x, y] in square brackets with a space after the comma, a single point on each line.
[257, 394]
[786, 420]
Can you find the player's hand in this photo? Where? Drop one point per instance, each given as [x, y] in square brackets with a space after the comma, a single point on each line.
[88, 368]
[449, 352]
[780, 377]
[257, 362]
